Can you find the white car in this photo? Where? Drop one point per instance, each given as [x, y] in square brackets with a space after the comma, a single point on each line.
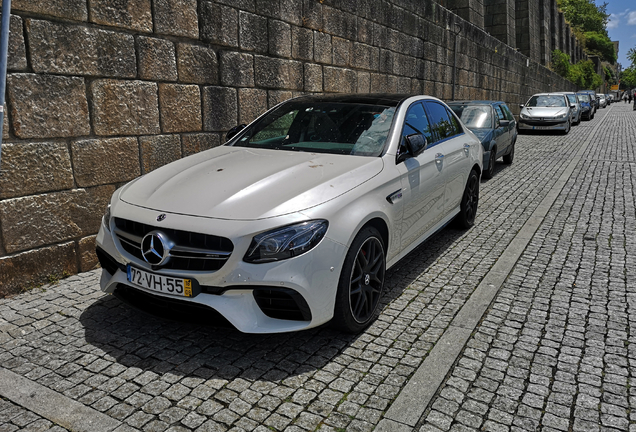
[295, 220]
[546, 111]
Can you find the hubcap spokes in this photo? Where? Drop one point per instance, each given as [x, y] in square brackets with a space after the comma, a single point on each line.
[472, 198]
[367, 279]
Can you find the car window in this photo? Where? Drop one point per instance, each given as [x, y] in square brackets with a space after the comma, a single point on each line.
[440, 119]
[416, 122]
[507, 111]
[572, 98]
[499, 112]
[584, 98]
[547, 101]
[474, 116]
[326, 127]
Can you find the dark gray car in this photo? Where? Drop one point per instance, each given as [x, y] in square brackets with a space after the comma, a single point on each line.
[493, 123]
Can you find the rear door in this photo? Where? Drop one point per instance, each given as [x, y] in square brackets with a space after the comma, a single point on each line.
[452, 152]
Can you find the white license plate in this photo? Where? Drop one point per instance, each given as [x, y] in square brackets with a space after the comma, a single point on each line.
[541, 127]
[160, 283]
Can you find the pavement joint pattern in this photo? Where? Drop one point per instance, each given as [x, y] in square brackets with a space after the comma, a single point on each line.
[553, 351]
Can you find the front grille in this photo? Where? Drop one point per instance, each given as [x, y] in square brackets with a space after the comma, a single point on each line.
[191, 251]
[282, 303]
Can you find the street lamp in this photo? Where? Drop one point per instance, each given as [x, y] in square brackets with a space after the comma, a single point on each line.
[458, 29]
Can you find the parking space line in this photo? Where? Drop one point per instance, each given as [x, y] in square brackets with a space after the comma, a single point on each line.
[52, 405]
[412, 401]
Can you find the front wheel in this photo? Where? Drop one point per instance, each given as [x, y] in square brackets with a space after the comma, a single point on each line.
[510, 156]
[490, 171]
[361, 282]
[567, 128]
[470, 199]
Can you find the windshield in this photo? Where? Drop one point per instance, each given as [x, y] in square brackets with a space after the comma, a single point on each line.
[584, 98]
[474, 116]
[323, 127]
[546, 101]
[572, 98]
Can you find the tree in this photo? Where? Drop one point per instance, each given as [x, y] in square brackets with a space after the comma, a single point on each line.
[583, 75]
[600, 45]
[561, 63]
[589, 23]
[585, 15]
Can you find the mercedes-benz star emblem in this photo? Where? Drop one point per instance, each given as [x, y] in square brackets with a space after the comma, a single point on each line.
[155, 248]
[161, 217]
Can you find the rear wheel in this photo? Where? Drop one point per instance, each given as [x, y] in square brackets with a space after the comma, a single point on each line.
[490, 171]
[361, 282]
[470, 199]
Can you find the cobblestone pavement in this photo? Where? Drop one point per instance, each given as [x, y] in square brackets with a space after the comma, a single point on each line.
[552, 352]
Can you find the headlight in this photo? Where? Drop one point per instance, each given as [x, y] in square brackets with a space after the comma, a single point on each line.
[286, 242]
[106, 219]
[524, 116]
[561, 116]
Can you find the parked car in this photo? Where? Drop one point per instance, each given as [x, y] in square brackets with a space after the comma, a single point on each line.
[593, 99]
[546, 111]
[602, 101]
[294, 221]
[494, 125]
[587, 107]
[575, 113]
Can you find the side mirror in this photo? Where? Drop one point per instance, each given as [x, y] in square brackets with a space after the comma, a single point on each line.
[504, 122]
[416, 144]
[521, 106]
[232, 132]
[573, 106]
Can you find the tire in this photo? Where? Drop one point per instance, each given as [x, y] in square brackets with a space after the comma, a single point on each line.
[568, 126]
[361, 282]
[468, 207]
[490, 172]
[510, 156]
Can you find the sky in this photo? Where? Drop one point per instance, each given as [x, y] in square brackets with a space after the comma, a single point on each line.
[622, 26]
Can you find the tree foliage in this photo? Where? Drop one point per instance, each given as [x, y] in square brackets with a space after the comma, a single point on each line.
[561, 63]
[585, 15]
[628, 76]
[601, 46]
[583, 75]
[589, 22]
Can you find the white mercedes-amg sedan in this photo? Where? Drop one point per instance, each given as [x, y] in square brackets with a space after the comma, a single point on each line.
[294, 221]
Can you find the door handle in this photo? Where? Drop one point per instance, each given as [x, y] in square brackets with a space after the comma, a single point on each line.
[439, 158]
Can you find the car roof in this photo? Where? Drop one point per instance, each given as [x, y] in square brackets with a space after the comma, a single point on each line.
[474, 102]
[549, 94]
[367, 99]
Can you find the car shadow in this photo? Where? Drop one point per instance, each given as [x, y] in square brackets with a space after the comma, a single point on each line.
[201, 343]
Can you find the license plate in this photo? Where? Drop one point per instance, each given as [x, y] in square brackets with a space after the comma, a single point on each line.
[160, 283]
[541, 127]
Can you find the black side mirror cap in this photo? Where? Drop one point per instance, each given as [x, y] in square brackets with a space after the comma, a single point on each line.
[232, 132]
[504, 122]
[416, 144]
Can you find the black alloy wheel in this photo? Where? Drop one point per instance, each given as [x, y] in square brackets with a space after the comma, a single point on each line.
[361, 282]
[470, 200]
[490, 172]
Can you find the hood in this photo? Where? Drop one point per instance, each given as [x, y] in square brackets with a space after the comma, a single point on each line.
[545, 111]
[484, 135]
[247, 184]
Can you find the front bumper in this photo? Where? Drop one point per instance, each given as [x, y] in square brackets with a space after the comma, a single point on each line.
[543, 124]
[239, 291]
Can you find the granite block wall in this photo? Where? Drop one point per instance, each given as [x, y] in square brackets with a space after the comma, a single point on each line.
[102, 91]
